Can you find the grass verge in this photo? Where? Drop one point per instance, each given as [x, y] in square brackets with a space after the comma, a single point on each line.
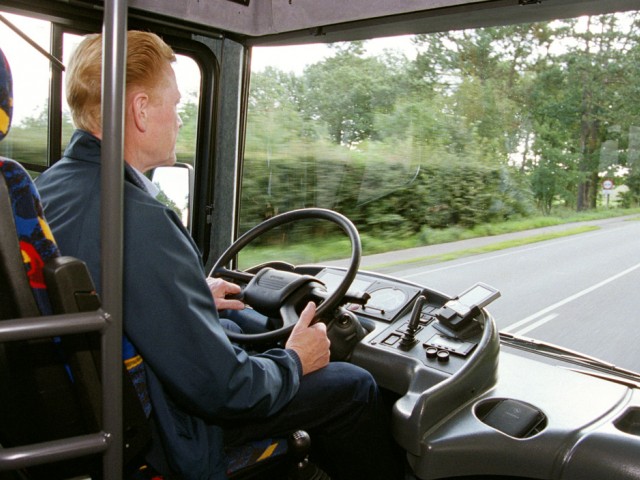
[445, 257]
[318, 250]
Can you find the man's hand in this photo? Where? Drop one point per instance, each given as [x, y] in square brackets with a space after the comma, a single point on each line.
[220, 289]
[310, 342]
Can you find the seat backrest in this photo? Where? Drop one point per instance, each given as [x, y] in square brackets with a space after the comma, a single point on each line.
[23, 232]
[37, 390]
[50, 388]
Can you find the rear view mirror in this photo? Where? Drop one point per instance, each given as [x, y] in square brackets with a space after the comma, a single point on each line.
[176, 189]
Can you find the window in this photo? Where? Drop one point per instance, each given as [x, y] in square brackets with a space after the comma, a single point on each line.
[31, 69]
[27, 141]
[434, 138]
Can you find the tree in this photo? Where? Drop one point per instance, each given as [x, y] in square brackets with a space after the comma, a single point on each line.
[346, 91]
[596, 75]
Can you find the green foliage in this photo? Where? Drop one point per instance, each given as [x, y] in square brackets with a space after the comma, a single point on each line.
[346, 91]
[481, 127]
[186, 143]
[631, 198]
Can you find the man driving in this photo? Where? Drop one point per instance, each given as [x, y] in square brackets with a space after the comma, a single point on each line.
[204, 392]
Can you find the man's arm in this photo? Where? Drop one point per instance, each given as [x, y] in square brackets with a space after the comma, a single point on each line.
[171, 318]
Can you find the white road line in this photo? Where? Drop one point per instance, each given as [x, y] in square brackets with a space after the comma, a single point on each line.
[542, 321]
[571, 298]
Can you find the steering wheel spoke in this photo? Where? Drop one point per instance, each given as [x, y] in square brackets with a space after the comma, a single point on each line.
[233, 275]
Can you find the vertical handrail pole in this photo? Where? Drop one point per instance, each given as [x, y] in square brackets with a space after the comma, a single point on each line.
[112, 180]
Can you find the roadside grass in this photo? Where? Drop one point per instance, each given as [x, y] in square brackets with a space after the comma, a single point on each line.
[430, 236]
[332, 248]
[445, 257]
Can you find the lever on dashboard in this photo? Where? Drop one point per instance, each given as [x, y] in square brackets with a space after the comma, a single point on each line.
[409, 337]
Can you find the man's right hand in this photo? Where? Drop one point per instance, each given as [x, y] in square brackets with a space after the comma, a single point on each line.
[310, 342]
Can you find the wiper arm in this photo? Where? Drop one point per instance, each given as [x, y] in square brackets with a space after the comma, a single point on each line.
[555, 351]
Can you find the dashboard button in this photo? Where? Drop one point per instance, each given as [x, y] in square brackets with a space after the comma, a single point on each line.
[432, 352]
[443, 355]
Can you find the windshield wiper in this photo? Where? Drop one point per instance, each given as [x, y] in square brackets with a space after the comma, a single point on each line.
[555, 351]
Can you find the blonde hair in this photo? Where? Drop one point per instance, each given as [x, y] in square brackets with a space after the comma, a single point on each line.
[147, 56]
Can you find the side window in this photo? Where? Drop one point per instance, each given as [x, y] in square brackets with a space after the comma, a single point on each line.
[27, 141]
[189, 77]
[69, 43]
[31, 71]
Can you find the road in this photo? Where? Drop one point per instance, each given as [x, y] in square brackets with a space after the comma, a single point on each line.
[581, 291]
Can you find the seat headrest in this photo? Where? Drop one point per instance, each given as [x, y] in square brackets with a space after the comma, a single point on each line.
[6, 96]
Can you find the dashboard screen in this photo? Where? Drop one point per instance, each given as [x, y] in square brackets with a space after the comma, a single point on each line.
[478, 295]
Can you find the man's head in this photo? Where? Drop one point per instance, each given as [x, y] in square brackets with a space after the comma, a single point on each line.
[151, 119]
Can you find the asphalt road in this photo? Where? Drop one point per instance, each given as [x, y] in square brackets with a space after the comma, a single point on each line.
[581, 291]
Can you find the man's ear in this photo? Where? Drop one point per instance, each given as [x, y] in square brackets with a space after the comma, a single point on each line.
[139, 110]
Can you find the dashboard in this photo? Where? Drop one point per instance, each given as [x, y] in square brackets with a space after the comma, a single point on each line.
[387, 306]
[467, 405]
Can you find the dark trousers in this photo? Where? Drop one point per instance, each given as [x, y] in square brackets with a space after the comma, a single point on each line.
[340, 407]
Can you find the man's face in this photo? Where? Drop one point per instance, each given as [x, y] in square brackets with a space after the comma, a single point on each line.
[164, 122]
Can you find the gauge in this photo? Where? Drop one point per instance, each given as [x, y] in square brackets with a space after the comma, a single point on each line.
[386, 299]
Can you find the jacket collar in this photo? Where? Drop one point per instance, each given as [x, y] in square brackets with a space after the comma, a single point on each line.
[85, 147]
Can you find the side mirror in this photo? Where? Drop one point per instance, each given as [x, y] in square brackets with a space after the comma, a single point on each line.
[176, 185]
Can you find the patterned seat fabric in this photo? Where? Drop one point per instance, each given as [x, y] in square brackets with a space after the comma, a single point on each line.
[6, 96]
[254, 453]
[34, 236]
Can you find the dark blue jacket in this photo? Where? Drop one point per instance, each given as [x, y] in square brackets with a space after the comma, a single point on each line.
[197, 379]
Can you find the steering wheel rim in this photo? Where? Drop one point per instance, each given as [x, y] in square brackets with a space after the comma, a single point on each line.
[330, 302]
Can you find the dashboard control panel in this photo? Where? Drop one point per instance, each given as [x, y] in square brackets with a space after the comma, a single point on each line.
[387, 299]
[439, 331]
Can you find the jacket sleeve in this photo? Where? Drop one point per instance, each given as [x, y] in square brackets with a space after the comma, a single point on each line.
[171, 318]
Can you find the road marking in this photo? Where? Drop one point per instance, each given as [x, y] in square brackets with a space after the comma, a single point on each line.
[571, 298]
[542, 321]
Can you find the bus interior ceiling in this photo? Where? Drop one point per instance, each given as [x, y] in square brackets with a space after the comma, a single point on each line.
[286, 22]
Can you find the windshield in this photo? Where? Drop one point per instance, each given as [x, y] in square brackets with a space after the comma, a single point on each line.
[507, 155]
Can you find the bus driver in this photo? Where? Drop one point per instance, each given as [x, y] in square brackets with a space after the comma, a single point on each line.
[204, 392]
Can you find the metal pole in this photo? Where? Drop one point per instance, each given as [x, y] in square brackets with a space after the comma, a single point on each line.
[112, 179]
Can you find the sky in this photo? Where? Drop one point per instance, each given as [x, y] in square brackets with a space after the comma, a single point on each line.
[298, 57]
[28, 67]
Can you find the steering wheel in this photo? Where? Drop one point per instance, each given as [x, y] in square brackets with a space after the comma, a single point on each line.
[278, 292]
